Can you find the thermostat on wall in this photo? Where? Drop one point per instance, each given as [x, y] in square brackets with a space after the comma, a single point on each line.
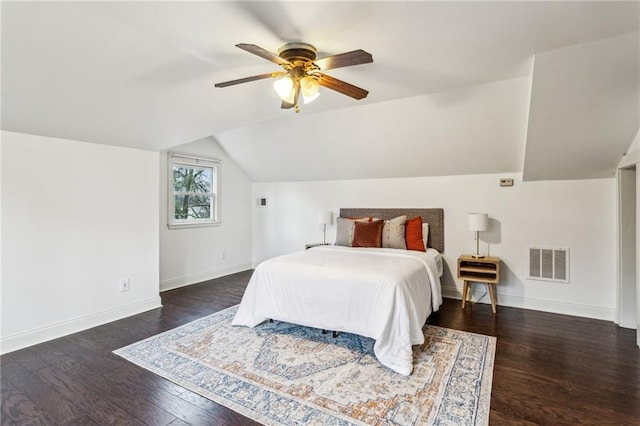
[506, 182]
[261, 202]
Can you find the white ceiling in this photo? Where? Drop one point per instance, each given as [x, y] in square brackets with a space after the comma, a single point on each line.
[450, 86]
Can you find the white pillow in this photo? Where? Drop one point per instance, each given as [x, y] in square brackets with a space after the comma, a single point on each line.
[393, 233]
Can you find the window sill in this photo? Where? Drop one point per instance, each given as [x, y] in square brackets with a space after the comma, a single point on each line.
[192, 225]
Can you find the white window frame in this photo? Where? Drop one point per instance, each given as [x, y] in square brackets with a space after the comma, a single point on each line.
[188, 160]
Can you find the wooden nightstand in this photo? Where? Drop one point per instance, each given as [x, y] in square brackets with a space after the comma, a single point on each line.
[480, 270]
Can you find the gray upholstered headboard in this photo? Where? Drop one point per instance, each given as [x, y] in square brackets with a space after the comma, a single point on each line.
[434, 217]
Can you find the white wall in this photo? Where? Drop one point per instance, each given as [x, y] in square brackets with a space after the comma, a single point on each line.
[638, 259]
[193, 255]
[1, 202]
[76, 218]
[574, 214]
[627, 255]
[628, 315]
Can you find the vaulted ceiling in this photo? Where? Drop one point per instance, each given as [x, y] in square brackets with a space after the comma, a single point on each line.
[549, 89]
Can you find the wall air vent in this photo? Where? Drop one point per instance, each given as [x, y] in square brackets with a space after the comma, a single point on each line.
[549, 264]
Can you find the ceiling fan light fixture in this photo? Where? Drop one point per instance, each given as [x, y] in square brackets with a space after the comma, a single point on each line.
[309, 87]
[303, 74]
[284, 88]
[309, 99]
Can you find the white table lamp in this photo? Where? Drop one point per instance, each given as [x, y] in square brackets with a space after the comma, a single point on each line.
[325, 218]
[478, 222]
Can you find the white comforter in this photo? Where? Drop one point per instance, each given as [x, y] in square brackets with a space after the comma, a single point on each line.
[385, 294]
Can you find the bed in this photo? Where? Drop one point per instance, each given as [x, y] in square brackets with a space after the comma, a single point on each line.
[382, 293]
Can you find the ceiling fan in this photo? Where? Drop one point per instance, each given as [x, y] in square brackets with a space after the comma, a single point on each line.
[303, 73]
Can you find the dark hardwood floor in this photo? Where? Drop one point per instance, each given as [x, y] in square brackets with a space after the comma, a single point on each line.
[549, 369]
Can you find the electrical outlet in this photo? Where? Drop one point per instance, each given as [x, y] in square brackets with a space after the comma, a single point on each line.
[125, 285]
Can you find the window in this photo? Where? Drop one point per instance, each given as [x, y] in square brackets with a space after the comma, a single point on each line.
[194, 198]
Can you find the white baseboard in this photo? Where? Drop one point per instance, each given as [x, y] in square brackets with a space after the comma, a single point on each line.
[63, 328]
[587, 311]
[203, 276]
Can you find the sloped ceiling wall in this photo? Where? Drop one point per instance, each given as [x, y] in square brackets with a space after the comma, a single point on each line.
[585, 109]
[466, 131]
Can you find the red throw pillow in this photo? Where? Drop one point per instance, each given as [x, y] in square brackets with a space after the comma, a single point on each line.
[413, 234]
[368, 234]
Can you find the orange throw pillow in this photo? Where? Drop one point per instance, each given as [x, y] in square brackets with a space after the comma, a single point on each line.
[368, 234]
[413, 234]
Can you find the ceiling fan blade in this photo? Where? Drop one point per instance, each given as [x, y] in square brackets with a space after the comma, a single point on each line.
[347, 59]
[286, 105]
[248, 79]
[263, 53]
[341, 86]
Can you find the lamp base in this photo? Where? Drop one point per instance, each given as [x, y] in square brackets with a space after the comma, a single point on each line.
[477, 255]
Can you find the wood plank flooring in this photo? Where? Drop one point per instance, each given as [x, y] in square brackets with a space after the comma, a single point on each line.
[549, 369]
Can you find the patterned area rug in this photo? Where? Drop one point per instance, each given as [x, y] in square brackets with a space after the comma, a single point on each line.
[283, 374]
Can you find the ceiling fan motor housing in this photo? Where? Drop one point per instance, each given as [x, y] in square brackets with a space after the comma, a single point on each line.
[298, 52]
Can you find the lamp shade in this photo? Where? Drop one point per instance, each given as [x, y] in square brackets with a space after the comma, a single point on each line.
[309, 87]
[325, 217]
[284, 88]
[478, 221]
